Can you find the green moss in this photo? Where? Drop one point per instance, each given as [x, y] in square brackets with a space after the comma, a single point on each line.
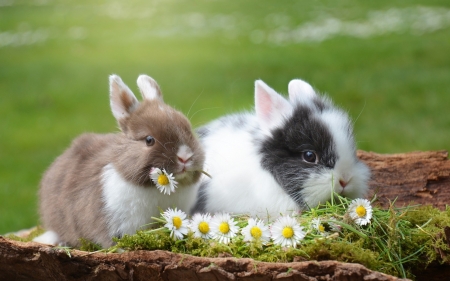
[34, 233]
[88, 246]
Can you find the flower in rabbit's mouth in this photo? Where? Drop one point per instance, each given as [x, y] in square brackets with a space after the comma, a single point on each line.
[287, 232]
[176, 222]
[164, 181]
[360, 211]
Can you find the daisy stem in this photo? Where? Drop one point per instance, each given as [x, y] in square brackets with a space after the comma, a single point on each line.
[332, 189]
[112, 249]
[155, 230]
[349, 227]
[206, 174]
[159, 220]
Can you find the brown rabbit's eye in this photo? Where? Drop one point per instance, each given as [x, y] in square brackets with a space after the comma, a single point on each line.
[149, 140]
[309, 156]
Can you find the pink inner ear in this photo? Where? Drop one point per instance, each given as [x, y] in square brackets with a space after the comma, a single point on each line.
[271, 108]
[264, 105]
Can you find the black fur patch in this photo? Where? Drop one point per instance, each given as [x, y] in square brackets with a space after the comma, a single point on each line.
[282, 154]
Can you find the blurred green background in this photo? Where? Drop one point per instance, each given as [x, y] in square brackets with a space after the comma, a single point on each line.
[386, 62]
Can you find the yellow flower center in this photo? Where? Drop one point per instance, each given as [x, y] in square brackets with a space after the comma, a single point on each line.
[360, 211]
[287, 232]
[177, 222]
[203, 227]
[163, 180]
[321, 228]
[224, 227]
[256, 232]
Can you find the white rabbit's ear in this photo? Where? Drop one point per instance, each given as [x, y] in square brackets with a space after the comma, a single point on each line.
[122, 100]
[300, 91]
[149, 88]
[271, 108]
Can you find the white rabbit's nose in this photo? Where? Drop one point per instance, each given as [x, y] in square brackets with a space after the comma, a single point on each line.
[343, 183]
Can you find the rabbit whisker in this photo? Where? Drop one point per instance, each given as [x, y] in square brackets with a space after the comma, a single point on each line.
[193, 104]
[216, 107]
[356, 119]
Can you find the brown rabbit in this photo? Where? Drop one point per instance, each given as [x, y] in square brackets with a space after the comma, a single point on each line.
[100, 187]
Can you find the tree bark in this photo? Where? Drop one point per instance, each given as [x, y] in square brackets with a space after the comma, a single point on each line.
[409, 178]
[33, 261]
[416, 177]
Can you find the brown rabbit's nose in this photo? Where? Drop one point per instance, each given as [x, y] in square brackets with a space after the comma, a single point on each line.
[343, 183]
[184, 154]
[183, 160]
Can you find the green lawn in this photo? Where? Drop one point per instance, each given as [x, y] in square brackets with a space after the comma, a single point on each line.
[386, 62]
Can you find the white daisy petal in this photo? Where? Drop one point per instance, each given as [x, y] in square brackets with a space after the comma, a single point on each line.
[256, 230]
[200, 225]
[223, 228]
[360, 211]
[319, 227]
[287, 232]
[164, 181]
[176, 222]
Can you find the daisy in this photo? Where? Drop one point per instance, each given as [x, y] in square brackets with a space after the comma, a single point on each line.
[320, 227]
[164, 182]
[223, 228]
[200, 225]
[287, 232]
[256, 230]
[360, 211]
[176, 222]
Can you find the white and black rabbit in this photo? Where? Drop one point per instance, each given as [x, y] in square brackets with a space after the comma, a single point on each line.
[286, 156]
[100, 187]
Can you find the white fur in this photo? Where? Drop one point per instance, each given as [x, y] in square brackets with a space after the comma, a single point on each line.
[130, 207]
[48, 237]
[346, 168]
[185, 152]
[319, 188]
[300, 91]
[239, 184]
[337, 123]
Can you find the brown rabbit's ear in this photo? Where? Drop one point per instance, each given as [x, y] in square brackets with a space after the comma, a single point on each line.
[149, 88]
[123, 102]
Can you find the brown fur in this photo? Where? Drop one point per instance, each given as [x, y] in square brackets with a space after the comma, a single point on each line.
[71, 189]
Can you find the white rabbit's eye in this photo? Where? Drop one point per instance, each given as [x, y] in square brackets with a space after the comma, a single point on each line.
[149, 140]
[310, 156]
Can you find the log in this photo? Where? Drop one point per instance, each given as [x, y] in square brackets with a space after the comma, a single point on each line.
[416, 177]
[34, 261]
[409, 178]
